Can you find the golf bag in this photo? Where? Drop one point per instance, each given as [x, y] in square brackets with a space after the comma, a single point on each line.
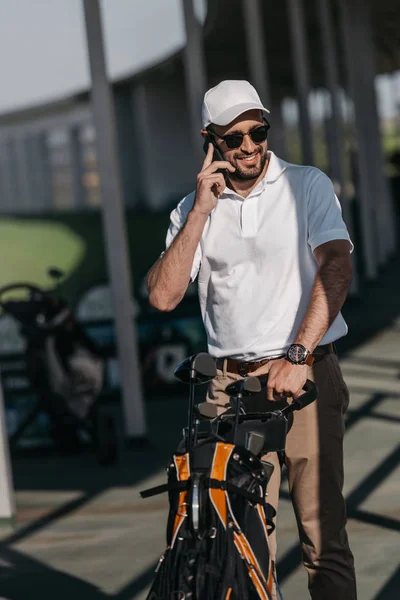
[218, 525]
[219, 521]
[65, 369]
[64, 365]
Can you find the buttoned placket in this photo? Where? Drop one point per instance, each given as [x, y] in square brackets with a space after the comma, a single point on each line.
[248, 209]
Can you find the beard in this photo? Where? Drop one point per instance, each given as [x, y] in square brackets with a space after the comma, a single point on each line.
[244, 173]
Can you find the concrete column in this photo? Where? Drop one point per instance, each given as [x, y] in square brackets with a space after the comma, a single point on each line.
[368, 136]
[366, 64]
[7, 501]
[114, 226]
[195, 75]
[301, 70]
[277, 137]
[336, 148]
[128, 144]
[256, 51]
[77, 167]
[364, 152]
[258, 69]
[144, 158]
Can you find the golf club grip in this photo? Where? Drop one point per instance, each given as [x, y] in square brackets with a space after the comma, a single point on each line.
[310, 394]
[263, 380]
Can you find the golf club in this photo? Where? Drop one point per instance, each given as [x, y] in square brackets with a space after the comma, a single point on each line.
[195, 370]
[237, 389]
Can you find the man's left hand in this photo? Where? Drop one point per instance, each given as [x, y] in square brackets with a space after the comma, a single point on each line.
[284, 378]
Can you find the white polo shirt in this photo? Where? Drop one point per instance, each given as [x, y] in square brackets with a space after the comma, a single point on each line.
[255, 262]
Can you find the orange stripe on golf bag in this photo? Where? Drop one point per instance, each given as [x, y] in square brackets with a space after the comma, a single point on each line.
[220, 500]
[252, 566]
[222, 454]
[228, 594]
[263, 519]
[254, 570]
[183, 473]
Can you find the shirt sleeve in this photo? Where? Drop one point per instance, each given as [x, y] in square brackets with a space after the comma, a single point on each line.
[325, 221]
[178, 219]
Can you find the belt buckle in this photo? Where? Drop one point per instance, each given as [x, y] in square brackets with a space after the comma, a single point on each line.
[241, 369]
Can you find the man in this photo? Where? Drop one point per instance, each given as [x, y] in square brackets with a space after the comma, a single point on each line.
[272, 255]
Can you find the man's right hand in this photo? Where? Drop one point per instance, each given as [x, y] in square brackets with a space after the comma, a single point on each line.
[210, 184]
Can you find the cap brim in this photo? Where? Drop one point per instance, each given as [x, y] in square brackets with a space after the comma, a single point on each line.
[233, 112]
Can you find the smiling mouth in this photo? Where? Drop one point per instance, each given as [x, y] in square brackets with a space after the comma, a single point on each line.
[250, 159]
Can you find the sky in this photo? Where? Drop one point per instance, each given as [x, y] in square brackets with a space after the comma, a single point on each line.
[43, 53]
[42, 44]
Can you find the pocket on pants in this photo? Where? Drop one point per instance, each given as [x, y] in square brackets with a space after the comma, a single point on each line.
[339, 387]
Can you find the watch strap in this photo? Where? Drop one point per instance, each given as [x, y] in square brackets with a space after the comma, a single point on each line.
[309, 360]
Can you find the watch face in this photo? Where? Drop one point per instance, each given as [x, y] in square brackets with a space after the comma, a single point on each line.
[297, 353]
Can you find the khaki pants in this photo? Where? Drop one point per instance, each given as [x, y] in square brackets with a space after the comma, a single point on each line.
[314, 461]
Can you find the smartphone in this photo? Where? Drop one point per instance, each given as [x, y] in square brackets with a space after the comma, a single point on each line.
[217, 154]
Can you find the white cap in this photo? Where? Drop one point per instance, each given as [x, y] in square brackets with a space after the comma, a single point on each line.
[227, 100]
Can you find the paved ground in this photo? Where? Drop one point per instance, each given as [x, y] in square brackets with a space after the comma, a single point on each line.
[83, 532]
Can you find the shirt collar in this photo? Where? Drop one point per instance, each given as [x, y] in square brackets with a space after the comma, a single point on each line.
[276, 167]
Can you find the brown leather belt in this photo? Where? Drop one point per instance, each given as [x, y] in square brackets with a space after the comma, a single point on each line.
[244, 368]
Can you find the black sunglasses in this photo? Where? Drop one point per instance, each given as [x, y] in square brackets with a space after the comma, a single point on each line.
[235, 140]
